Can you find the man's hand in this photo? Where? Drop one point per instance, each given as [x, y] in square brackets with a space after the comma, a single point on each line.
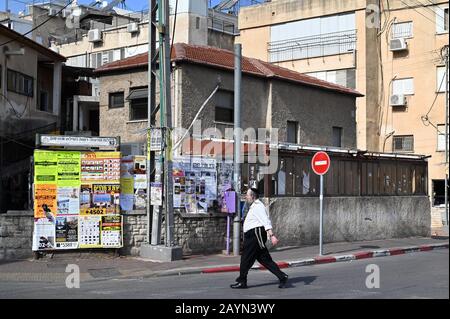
[274, 240]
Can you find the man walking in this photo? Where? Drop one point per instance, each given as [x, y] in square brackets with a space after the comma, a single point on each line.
[257, 227]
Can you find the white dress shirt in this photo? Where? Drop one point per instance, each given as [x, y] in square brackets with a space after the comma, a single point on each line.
[257, 217]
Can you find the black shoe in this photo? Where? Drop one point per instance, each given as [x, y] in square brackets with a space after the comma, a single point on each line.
[239, 285]
[283, 282]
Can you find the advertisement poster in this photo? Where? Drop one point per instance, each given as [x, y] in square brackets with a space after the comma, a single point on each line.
[224, 182]
[68, 168]
[140, 191]
[43, 234]
[127, 183]
[45, 167]
[156, 194]
[66, 232]
[107, 197]
[140, 165]
[89, 231]
[100, 167]
[111, 233]
[68, 201]
[180, 167]
[127, 193]
[45, 204]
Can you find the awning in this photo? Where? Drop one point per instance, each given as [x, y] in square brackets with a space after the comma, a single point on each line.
[138, 94]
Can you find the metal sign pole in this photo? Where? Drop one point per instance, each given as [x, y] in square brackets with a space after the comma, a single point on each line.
[321, 217]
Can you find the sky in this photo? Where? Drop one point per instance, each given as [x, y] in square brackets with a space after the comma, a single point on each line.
[134, 5]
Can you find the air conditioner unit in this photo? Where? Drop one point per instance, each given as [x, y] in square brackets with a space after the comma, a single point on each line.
[398, 100]
[94, 35]
[133, 27]
[398, 44]
[52, 12]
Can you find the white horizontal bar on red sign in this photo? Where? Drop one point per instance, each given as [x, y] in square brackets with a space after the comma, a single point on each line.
[319, 163]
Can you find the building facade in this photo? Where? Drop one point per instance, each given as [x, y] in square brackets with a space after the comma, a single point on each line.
[391, 51]
[30, 103]
[304, 109]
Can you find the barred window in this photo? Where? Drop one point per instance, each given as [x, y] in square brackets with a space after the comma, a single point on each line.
[403, 143]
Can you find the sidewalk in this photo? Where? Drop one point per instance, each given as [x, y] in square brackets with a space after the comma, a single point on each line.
[101, 266]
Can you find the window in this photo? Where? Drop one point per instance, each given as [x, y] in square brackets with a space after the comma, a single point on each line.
[307, 38]
[440, 79]
[116, 100]
[292, 132]
[20, 83]
[403, 86]
[197, 23]
[441, 137]
[344, 77]
[224, 110]
[441, 20]
[402, 30]
[403, 143]
[337, 136]
[138, 109]
[44, 103]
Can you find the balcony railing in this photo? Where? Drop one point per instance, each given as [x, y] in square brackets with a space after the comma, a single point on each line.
[222, 25]
[312, 46]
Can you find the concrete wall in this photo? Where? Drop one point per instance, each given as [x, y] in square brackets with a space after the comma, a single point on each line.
[317, 111]
[196, 234]
[16, 231]
[296, 220]
[220, 40]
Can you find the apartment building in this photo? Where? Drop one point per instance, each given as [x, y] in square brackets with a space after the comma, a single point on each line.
[389, 50]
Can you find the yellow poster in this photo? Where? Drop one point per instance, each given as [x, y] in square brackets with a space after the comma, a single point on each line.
[45, 201]
[68, 168]
[127, 185]
[45, 167]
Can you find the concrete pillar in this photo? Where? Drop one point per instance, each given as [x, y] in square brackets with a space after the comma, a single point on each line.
[57, 80]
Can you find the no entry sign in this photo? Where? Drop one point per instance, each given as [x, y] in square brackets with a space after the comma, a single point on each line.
[320, 163]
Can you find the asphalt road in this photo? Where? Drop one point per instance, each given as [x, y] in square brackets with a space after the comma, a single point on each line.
[414, 275]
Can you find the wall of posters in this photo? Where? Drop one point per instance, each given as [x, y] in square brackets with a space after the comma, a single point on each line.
[73, 193]
[66, 232]
[194, 184]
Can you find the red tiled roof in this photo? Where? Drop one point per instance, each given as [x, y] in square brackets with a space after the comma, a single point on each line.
[224, 59]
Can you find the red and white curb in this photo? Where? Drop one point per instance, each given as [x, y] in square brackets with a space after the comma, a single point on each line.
[331, 259]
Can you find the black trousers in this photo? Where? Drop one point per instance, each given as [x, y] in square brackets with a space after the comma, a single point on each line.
[255, 249]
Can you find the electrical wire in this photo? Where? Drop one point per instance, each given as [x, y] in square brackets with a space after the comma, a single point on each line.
[174, 25]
